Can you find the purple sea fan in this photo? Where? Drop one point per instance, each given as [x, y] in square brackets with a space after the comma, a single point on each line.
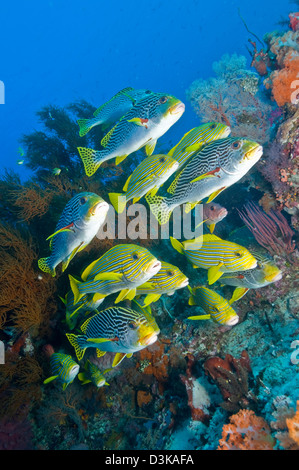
[271, 230]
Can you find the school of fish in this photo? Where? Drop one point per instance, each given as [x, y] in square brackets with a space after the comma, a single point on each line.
[204, 162]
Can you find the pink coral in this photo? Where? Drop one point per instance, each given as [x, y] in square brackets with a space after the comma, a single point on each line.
[246, 431]
[283, 80]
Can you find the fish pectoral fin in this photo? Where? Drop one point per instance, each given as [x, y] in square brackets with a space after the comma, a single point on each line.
[214, 273]
[150, 147]
[139, 121]
[98, 296]
[200, 317]
[215, 194]
[146, 285]
[98, 340]
[107, 370]
[125, 294]
[120, 158]
[67, 260]
[238, 294]
[200, 223]
[202, 177]
[109, 277]
[193, 148]
[151, 298]
[67, 228]
[118, 358]
[212, 227]
[50, 379]
[129, 355]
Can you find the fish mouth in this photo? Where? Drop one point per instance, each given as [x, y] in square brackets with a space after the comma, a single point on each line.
[154, 267]
[226, 132]
[233, 321]
[222, 213]
[177, 108]
[184, 283]
[274, 277]
[149, 339]
[98, 207]
[254, 152]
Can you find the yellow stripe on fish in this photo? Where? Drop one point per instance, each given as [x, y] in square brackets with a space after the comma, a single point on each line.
[147, 177]
[196, 138]
[216, 307]
[216, 255]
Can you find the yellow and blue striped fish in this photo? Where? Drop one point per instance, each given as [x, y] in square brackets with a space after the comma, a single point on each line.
[64, 369]
[149, 175]
[195, 139]
[167, 280]
[141, 126]
[216, 255]
[79, 222]
[112, 110]
[93, 374]
[116, 329]
[216, 307]
[84, 306]
[264, 274]
[122, 268]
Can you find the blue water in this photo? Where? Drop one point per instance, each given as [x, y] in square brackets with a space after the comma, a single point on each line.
[58, 51]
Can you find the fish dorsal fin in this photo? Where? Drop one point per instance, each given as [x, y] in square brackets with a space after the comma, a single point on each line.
[85, 324]
[121, 92]
[119, 159]
[171, 152]
[125, 188]
[173, 185]
[105, 140]
[210, 237]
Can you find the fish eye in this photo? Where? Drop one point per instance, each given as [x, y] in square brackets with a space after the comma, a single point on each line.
[163, 99]
[169, 273]
[212, 126]
[238, 254]
[212, 208]
[132, 325]
[83, 200]
[162, 159]
[236, 145]
[135, 256]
